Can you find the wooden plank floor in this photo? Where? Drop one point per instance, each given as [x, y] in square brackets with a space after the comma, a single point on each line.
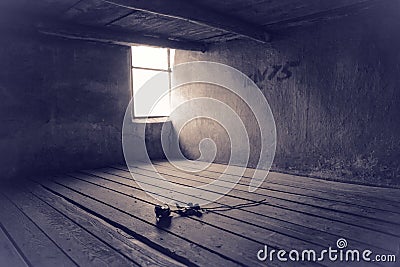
[103, 218]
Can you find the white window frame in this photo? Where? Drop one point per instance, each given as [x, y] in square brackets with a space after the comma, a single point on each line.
[169, 70]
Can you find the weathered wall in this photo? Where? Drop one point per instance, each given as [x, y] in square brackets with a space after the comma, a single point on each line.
[62, 104]
[335, 98]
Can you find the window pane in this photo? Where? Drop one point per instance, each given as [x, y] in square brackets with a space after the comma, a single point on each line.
[150, 57]
[151, 93]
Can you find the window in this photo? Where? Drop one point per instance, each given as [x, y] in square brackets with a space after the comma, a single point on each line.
[151, 96]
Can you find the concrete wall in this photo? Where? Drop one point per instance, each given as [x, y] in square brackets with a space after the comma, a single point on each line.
[338, 110]
[62, 104]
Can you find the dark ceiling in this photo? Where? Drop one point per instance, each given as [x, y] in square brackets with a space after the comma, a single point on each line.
[184, 23]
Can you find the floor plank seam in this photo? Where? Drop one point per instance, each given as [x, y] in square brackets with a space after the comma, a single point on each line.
[219, 214]
[128, 231]
[160, 163]
[17, 248]
[190, 218]
[66, 254]
[77, 223]
[306, 176]
[266, 188]
[294, 194]
[295, 210]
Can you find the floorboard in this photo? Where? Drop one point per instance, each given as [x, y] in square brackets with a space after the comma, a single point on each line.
[103, 217]
[141, 225]
[195, 231]
[84, 248]
[9, 254]
[129, 247]
[353, 223]
[261, 216]
[389, 194]
[283, 192]
[35, 244]
[282, 182]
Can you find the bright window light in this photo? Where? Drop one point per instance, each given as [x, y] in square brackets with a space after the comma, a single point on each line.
[151, 74]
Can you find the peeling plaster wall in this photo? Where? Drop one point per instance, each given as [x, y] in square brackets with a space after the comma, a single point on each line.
[335, 98]
[62, 104]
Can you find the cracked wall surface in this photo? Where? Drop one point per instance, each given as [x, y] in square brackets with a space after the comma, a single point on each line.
[333, 88]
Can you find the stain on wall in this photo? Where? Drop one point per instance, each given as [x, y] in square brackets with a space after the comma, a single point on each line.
[333, 88]
[62, 104]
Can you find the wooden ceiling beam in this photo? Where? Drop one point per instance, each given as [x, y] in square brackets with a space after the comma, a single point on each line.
[187, 11]
[104, 35]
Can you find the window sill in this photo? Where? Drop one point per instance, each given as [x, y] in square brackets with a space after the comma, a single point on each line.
[151, 120]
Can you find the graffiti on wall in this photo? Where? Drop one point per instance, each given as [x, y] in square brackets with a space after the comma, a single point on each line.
[274, 73]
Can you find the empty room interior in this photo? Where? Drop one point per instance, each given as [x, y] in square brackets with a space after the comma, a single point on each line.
[199, 133]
